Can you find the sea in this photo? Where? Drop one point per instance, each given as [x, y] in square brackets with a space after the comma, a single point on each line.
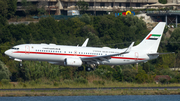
[96, 98]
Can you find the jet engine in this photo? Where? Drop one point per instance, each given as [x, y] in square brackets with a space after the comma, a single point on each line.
[71, 61]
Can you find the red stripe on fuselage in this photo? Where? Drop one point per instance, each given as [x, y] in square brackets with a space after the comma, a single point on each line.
[149, 36]
[76, 55]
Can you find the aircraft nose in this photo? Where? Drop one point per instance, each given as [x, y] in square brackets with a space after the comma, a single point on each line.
[7, 52]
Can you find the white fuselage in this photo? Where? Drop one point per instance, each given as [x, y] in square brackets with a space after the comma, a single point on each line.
[56, 54]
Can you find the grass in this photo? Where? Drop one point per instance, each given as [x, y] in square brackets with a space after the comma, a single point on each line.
[44, 83]
[71, 84]
[88, 92]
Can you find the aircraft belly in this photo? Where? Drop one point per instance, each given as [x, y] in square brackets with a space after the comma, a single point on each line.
[54, 58]
[41, 57]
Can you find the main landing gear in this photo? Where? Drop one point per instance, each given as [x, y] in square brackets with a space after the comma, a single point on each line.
[88, 67]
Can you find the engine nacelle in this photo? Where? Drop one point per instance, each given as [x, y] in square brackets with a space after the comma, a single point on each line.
[71, 61]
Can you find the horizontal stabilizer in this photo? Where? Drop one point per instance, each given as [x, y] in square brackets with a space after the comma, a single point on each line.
[160, 53]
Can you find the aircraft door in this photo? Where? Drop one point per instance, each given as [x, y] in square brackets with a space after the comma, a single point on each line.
[75, 53]
[136, 56]
[27, 49]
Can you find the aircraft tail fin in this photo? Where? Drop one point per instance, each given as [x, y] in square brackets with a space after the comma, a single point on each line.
[152, 40]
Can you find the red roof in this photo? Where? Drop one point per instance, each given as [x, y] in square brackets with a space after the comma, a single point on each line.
[158, 77]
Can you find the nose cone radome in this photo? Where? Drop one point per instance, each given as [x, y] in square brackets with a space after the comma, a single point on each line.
[7, 52]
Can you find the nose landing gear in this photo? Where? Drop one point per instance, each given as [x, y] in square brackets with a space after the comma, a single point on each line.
[20, 64]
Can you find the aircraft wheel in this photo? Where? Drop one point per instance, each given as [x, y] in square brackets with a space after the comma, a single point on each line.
[88, 68]
[20, 64]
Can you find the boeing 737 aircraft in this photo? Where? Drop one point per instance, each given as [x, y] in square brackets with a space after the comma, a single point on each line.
[78, 55]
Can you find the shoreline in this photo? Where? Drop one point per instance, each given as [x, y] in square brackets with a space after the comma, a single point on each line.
[98, 92]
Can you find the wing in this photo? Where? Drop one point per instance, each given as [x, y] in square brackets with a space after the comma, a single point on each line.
[105, 57]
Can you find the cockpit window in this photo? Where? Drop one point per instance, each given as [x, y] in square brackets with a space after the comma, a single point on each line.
[15, 48]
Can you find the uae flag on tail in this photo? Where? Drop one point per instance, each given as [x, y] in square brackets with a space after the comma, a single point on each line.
[153, 37]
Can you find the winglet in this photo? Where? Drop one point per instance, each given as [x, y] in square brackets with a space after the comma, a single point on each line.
[129, 48]
[85, 43]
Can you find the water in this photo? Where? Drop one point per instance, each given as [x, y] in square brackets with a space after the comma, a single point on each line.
[96, 98]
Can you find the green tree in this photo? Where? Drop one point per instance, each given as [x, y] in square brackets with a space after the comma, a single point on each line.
[173, 41]
[118, 74]
[4, 72]
[162, 1]
[142, 77]
[129, 75]
[3, 22]
[7, 8]
[12, 6]
[82, 5]
[28, 7]
[3, 8]
[41, 7]
[85, 18]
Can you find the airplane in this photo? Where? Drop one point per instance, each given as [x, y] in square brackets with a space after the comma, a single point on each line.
[77, 55]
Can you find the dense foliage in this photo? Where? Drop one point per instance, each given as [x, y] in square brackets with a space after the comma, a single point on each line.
[105, 30]
[82, 5]
[7, 8]
[4, 72]
[162, 1]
